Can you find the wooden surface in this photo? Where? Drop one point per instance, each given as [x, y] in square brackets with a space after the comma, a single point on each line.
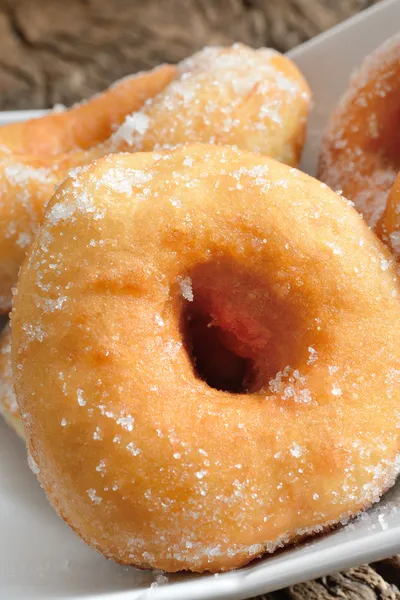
[59, 51]
[63, 50]
[380, 581]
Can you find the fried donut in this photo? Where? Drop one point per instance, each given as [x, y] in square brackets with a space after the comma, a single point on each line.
[199, 340]
[360, 152]
[8, 403]
[255, 99]
[26, 184]
[388, 228]
[88, 123]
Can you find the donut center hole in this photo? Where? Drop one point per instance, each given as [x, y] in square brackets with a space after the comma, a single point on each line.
[241, 326]
[232, 327]
[212, 352]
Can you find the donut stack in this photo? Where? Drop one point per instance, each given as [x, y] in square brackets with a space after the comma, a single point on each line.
[204, 359]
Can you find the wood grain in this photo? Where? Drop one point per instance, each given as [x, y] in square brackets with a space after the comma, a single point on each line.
[59, 51]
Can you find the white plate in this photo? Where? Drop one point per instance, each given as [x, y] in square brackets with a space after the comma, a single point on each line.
[40, 557]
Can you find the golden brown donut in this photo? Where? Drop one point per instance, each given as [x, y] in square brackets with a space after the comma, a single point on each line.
[26, 184]
[88, 123]
[360, 153]
[159, 451]
[388, 228]
[8, 403]
[255, 99]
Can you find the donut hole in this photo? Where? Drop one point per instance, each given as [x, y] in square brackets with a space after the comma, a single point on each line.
[238, 333]
[213, 361]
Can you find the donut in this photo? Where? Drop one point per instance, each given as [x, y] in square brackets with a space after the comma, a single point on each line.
[255, 99]
[8, 403]
[388, 228]
[206, 357]
[26, 184]
[360, 151]
[88, 123]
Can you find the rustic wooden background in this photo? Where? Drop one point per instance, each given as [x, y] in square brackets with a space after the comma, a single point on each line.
[55, 51]
[63, 50]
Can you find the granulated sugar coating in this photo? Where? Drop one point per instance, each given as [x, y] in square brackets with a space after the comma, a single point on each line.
[238, 379]
[360, 152]
[254, 99]
[26, 184]
[8, 403]
[29, 177]
[88, 123]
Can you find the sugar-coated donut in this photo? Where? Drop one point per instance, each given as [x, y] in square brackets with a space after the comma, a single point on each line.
[8, 403]
[360, 152]
[88, 123]
[26, 184]
[255, 99]
[206, 357]
[388, 227]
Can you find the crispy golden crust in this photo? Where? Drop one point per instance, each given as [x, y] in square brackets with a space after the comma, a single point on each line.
[8, 403]
[156, 280]
[86, 124]
[257, 100]
[360, 152]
